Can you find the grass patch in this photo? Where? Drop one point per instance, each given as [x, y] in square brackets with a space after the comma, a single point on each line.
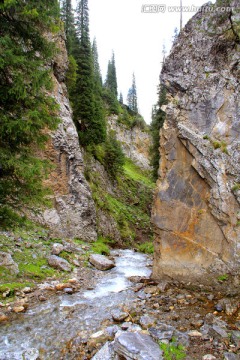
[173, 351]
[101, 246]
[135, 173]
[223, 277]
[236, 187]
[37, 270]
[146, 247]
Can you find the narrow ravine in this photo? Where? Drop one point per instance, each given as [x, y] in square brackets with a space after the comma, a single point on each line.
[45, 329]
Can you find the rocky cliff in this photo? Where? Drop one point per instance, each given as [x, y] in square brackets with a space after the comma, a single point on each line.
[135, 141]
[73, 213]
[196, 210]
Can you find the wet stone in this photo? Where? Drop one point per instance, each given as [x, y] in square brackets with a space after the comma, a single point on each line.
[105, 353]
[101, 262]
[230, 356]
[119, 315]
[146, 321]
[137, 346]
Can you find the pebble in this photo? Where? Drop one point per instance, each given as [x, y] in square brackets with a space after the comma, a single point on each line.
[3, 317]
[209, 357]
[119, 315]
[194, 333]
[68, 290]
[218, 307]
[18, 309]
[42, 298]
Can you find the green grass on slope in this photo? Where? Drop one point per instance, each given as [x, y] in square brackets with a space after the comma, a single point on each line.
[135, 173]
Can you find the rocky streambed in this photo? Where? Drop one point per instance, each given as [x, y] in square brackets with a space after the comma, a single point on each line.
[122, 314]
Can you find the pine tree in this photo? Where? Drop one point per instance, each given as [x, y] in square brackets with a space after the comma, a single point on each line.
[132, 96]
[111, 80]
[96, 67]
[25, 108]
[158, 117]
[121, 98]
[90, 125]
[68, 19]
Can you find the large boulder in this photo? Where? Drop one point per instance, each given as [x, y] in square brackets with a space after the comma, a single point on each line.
[137, 346]
[59, 263]
[7, 262]
[101, 262]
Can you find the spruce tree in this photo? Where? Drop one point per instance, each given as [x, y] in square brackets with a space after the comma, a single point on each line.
[25, 108]
[132, 96]
[111, 80]
[121, 98]
[158, 117]
[90, 124]
[68, 19]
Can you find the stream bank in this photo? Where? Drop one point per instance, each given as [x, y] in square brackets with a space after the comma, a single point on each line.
[108, 307]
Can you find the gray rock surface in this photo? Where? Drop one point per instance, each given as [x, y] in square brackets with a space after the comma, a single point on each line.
[73, 213]
[101, 262]
[7, 261]
[135, 142]
[59, 263]
[137, 346]
[197, 203]
[57, 248]
[105, 353]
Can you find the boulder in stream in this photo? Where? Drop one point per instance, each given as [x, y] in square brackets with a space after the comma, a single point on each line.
[137, 346]
[101, 262]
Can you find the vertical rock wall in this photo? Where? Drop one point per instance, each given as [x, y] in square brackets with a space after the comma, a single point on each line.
[196, 210]
[73, 213]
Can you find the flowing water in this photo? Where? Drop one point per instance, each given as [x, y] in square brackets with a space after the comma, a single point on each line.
[47, 328]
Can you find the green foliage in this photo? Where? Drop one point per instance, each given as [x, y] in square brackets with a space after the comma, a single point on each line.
[132, 96]
[114, 157]
[68, 19]
[111, 79]
[173, 351]
[110, 101]
[71, 75]
[146, 247]
[158, 118]
[223, 277]
[137, 174]
[25, 108]
[236, 187]
[101, 246]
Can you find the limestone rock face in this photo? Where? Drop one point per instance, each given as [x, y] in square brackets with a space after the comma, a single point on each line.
[196, 209]
[135, 142]
[73, 212]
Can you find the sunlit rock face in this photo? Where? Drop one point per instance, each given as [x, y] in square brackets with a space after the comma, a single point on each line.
[73, 213]
[196, 210]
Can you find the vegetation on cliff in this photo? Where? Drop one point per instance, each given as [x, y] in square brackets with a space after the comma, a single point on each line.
[26, 110]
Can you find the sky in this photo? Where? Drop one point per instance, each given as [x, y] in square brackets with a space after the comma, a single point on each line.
[137, 39]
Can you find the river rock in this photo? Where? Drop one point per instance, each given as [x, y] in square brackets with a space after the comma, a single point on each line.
[209, 357]
[105, 353]
[119, 315]
[6, 261]
[230, 356]
[59, 263]
[57, 248]
[137, 346]
[101, 262]
[146, 321]
[235, 337]
[30, 354]
[3, 317]
[18, 309]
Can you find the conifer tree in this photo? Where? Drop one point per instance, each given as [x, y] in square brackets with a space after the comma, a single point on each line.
[132, 96]
[25, 109]
[68, 19]
[158, 117]
[96, 67]
[121, 98]
[90, 124]
[111, 80]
